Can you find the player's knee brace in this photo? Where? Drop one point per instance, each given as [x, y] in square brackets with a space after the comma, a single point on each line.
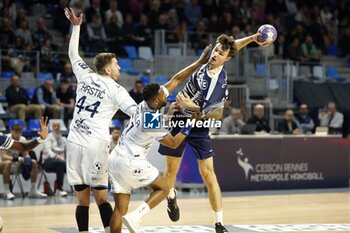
[82, 217]
[106, 212]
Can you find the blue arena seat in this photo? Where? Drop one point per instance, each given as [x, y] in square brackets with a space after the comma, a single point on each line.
[126, 66]
[145, 80]
[25, 131]
[260, 70]
[332, 73]
[34, 125]
[12, 122]
[172, 97]
[161, 79]
[131, 51]
[117, 123]
[43, 76]
[332, 50]
[30, 91]
[7, 74]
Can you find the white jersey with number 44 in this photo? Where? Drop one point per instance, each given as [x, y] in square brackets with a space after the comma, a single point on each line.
[97, 100]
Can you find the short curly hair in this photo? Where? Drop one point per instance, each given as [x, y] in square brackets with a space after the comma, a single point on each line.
[228, 43]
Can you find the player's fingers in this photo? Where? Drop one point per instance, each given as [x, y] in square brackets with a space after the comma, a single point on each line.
[46, 121]
[186, 95]
[81, 16]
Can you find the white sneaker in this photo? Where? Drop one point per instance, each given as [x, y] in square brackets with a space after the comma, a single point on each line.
[61, 193]
[9, 196]
[131, 224]
[36, 194]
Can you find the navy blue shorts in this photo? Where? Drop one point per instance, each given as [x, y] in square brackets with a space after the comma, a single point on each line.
[201, 147]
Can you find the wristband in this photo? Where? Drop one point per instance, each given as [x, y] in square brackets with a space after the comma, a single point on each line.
[39, 140]
[186, 130]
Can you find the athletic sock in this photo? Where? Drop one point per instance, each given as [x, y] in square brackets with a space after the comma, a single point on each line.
[6, 188]
[141, 210]
[32, 186]
[82, 218]
[219, 216]
[106, 212]
[171, 194]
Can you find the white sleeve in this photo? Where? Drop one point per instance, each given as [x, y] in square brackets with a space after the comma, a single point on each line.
[80, 68]
[124, 102]
[161, 137]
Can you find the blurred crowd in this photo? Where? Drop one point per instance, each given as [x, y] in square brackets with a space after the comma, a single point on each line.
[306, 28]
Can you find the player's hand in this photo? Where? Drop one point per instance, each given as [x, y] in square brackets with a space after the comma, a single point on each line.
[44, 129]
[172, 108]
[255, 39]
[205, 55]
[77, 21]
[184, 101]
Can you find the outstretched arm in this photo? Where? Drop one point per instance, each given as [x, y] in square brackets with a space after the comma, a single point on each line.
[181, 75]
[241, 43]
[26, 146]
[73, 51]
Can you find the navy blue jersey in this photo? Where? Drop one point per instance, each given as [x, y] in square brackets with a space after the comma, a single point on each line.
[207, 92]
[5, 142]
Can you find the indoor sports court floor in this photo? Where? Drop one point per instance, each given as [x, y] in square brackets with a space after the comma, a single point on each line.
[326, 210]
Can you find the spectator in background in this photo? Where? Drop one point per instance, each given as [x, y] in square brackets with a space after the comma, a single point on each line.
[344, 44]
[214, 25]
[6, 30]
[11, 8]
[113, 11]
[129, 31]
[199, 38]
[227, 22]
[18, 101]
[193, 12]
[95, 9]
[136, 92]
[45, 95]
[68, 75]
[232, 124]
[333, 119]
[24, 32]
[173, 19]
[41, 34]
[304, 120]
[259, 120]
[46, 57]
[227, 109]
[288, 125]
[65, 99]
[115, 135]
[280, 47]
[154, 14]
[96, 33]
[208, 7]
[309, 51]
[26, 161]
[237, 33]
[54, 156]
[294, 52]
[60, 22]
[114, 35]
[144, 31]
[78, 6]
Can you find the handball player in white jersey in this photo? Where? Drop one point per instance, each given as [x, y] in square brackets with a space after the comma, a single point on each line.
[98, 97]
[128, 167]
